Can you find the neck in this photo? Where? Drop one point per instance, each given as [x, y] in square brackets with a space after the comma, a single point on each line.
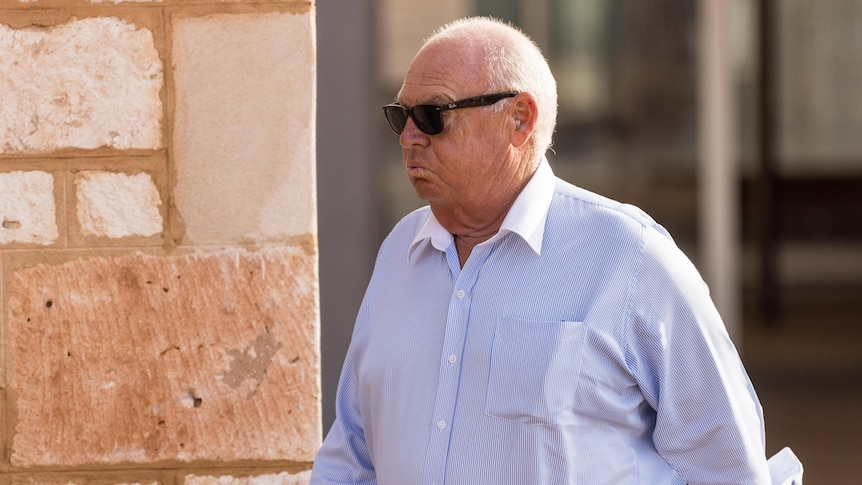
[478, 216]
[471, 228]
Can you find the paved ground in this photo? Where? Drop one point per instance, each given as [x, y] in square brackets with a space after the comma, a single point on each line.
[807, 368]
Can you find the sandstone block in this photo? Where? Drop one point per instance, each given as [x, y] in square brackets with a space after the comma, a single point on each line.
[27, 208]
[116, 205]
[283, 478]
[85, 84]
[50, 480]
[140, 359]
[244, 144]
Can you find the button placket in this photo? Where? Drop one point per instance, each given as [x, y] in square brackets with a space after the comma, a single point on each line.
[457, 321]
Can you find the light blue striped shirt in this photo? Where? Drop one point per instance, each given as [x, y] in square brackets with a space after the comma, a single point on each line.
[577, 346]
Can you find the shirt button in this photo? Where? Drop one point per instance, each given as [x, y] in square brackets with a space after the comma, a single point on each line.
[452, 359]
[461, 294]
[441, 424]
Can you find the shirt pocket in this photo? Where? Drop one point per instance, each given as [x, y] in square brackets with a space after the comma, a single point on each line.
[535, 369]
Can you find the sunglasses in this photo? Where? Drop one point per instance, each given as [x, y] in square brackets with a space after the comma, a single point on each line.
[429, 118]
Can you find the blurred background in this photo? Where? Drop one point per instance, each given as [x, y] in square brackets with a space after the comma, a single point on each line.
[631, 78]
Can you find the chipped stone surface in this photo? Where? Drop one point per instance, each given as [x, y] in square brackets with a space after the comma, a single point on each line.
[284, 478]
[117, 205]
[85, 84]
[42, 480]
[244, 126]
[27, 208]
[50, 480]
[143, 358]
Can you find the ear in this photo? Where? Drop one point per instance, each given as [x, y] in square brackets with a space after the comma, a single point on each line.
[524, 115]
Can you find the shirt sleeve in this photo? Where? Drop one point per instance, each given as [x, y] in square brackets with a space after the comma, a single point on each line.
[709, 421]
[344, 457]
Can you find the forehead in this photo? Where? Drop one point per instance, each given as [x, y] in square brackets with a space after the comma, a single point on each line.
[444, 71]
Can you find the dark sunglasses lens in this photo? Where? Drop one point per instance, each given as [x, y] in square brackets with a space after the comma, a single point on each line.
[397, 118]
[428, 119]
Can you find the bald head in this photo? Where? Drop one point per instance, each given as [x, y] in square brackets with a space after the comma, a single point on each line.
[508, 60]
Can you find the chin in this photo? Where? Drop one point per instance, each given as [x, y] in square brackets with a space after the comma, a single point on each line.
[423, 189]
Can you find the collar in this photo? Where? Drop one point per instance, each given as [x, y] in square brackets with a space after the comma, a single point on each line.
[526, 217]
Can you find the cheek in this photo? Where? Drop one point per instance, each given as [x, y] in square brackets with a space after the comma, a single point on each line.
[455, 163]
[464, 158]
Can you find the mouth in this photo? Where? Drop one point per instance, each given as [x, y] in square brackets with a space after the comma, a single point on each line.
[414, 167]
[419, 173]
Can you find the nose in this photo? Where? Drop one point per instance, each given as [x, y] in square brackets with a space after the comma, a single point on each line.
[411, 135]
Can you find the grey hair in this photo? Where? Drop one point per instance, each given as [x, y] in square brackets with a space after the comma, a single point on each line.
[514, 63]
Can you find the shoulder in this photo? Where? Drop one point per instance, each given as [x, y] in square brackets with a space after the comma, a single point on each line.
[582, 209]
[401, 235]
[409, 225]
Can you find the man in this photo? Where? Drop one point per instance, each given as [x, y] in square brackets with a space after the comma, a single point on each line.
[521, 330]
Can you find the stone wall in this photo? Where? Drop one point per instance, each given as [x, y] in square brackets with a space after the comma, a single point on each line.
[158, 243]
